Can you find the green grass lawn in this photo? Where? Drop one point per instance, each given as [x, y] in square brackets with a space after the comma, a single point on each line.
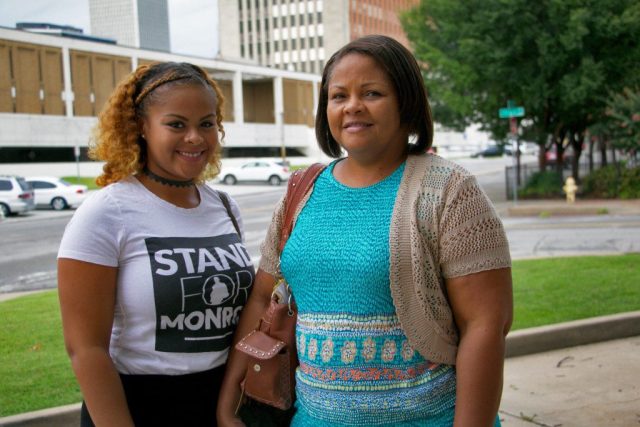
[90, 182]
[553, 290]
[35, 371]
[34, 367]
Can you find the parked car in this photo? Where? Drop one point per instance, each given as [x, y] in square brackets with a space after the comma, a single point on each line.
[551, 156]
[268, 171]
[489, 151]
[526, 148]
[16, 195]
[57, 193]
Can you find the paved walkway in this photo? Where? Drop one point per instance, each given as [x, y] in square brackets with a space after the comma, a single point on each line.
[590, 385]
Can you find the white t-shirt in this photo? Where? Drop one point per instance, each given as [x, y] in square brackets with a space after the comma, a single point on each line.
[184, 275]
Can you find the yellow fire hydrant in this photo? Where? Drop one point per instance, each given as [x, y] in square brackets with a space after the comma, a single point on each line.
[570, 188]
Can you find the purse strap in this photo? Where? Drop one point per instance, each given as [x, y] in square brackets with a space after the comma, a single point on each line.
[227, 206]
[299, 185]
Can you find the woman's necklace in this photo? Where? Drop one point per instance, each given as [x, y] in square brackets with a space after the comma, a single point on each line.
[166, 181]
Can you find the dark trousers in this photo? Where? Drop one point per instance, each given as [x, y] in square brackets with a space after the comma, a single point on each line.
[170, 400]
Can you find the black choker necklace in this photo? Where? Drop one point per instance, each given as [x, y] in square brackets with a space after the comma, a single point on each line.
[165, 181]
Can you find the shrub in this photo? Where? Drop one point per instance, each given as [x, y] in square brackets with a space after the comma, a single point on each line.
[603, 183]
[611, 182]
[546, 184]
[630, 183]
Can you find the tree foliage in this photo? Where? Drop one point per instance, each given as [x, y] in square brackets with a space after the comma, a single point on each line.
[558, 58]
[623, 114]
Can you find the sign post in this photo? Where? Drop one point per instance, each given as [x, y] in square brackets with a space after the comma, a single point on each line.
[512, 112]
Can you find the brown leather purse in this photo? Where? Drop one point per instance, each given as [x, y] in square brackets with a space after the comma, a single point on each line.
[270, 374]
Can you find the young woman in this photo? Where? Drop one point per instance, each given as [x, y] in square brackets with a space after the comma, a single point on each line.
[152, 271]
[398, 262]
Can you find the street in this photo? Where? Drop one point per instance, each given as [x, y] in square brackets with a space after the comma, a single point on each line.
[30, 242]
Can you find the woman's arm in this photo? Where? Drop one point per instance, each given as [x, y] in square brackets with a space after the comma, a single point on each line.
[482, 305]
[87, 295]
[230, 393]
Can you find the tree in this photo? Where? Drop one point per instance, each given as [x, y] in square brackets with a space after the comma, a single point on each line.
[624, 120]
[558, 58]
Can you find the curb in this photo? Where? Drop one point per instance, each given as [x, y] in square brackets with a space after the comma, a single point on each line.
[571, 334]
[518, 343]
[61, 416]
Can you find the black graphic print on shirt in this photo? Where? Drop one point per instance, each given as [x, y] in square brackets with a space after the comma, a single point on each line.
[200, 286]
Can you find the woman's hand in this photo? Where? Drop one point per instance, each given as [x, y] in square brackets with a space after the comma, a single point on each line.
[87, 295]
[230, 392]
[482, 305]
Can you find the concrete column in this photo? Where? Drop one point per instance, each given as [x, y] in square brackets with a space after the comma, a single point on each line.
[66, 75]
[278, 101]
[278, 107]
[315, 97]
[238, 102]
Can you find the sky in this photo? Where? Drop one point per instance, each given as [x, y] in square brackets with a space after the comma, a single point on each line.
[192, 23]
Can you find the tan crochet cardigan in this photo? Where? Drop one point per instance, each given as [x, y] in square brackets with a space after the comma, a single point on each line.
[443, 225]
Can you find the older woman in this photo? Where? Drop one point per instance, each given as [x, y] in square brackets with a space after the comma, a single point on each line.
[398, 263]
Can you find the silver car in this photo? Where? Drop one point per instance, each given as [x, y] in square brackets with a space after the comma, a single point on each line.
[16, 195]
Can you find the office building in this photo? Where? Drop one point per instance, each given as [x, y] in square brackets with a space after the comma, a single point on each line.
[134, 23]
[301, 35]
[52, 88]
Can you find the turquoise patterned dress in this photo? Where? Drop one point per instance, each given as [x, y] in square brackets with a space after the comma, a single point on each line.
[356, 365]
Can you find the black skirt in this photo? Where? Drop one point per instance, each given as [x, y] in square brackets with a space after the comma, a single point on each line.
[170, 400]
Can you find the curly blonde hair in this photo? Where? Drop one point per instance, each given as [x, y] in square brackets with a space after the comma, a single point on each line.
[117, 139]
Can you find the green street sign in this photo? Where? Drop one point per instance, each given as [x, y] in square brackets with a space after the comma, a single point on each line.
[507, 113]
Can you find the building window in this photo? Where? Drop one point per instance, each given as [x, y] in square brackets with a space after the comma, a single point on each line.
[275, 22]
[320, 42]
[319, 17]
[292, 20]
[312, 42]
[302, 44]
[293, 44]
[276, 46]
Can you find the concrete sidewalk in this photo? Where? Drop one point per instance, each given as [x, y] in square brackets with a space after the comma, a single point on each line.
[590, 385]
